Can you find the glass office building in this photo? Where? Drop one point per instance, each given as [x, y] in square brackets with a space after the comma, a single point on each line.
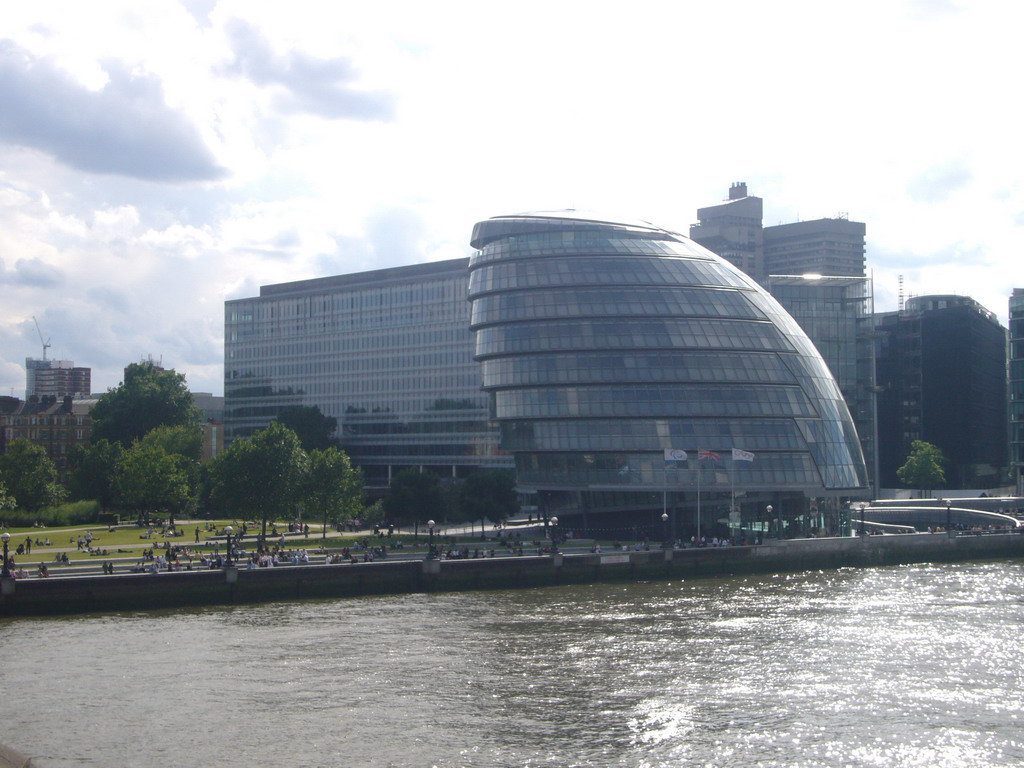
[388, 353]
[837, 314]
[610, 349]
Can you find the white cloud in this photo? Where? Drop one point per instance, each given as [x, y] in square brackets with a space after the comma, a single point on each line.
[161, 158]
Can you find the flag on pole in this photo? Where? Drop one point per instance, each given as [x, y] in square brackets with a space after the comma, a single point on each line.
[675, 454]
[741, 455]
[702, 454]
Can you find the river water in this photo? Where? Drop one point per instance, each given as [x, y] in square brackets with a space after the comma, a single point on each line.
[904, 666]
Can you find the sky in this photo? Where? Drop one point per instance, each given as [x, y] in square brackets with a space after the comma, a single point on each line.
[159, 158]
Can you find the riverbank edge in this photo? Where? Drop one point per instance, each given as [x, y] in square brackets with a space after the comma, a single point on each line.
[93, 594]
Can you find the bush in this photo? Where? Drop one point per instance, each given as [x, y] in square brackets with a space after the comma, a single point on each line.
[72, 513]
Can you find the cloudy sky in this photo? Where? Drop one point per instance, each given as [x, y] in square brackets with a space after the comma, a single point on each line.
[157, 158]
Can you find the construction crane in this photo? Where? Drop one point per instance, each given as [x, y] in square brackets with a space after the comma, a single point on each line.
[46, 344]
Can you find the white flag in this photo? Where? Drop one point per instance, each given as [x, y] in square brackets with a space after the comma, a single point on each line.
[739, 455]
[675, 454]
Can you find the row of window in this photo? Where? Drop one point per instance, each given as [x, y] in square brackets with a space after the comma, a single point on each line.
[652, 401]
[579, 244]
[409, 452]
[652, 434]
[635, 367]
[554, 336]
[583, 471]
[45, 420]
[321, 347]
[343, 383]
[10, 433]
[351, 303]
[613, 302]
[580, 271]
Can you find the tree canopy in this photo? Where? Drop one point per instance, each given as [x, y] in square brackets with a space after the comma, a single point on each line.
[923, 468]
[415, 496]
[490, 494]
[94, 471]
[147, 398]
[262, 477]
[181, 440]
[334, 487]
[150, 479]
[30, 476]
[6, 501]
[315, 431]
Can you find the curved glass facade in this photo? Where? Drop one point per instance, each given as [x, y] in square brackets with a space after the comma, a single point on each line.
[604, 344]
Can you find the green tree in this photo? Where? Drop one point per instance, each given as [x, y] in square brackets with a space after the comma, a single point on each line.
[334, 487]
[186, 444]
[30, 475]
[923, 468]
[94, 472]
[6, 501]
[315, 431]
[489, 494]
[262, 477]
[183, 440]
[147, 398]
[152, 480]
[415, 497]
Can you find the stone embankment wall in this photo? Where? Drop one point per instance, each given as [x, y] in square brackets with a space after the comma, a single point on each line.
[228, 586]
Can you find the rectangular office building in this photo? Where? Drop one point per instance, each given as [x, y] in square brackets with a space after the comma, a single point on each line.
[388, 353]
[1016, 388]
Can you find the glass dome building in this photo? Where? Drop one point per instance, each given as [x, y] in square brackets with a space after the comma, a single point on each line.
[633, 371]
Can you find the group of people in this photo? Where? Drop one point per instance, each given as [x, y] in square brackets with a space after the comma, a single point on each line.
[25, 548]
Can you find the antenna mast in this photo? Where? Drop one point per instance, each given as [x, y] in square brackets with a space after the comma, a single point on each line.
[46, 344]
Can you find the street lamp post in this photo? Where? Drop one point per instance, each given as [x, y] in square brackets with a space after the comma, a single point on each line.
[554, 535]
[430, 543]
[228, 532]
[664, 526]
[7, 563]
[949, 519]
[769, 509]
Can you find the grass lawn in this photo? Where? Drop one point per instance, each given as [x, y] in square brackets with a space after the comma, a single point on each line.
[127, 540]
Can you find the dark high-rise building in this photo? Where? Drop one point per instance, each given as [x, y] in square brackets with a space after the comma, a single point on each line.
[627, 363]
[1016, 388]
[941, 369]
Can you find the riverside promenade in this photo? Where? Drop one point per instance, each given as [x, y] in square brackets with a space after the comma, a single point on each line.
[226, 586]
